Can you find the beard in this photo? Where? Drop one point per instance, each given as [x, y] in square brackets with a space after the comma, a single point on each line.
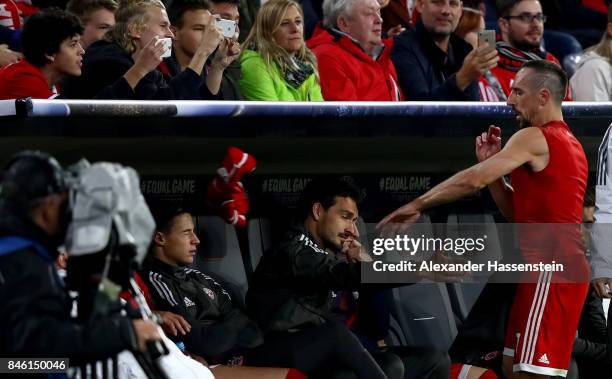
[524, 45]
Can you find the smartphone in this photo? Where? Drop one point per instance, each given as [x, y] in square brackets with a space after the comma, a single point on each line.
[487, 36]
[167, 42]
[228, 27]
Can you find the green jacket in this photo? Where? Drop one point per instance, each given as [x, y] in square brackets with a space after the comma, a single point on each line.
[259, 84]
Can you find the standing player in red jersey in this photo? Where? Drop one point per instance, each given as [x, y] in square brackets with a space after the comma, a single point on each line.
[549, 176]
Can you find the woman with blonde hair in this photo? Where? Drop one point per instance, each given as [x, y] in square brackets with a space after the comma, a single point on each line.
[592, 80]
[276, 64]
[123, 64]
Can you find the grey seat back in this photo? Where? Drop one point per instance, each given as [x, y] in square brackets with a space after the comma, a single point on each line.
[219, 254]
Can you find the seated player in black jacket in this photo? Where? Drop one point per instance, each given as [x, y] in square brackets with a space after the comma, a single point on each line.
[317, 263]
[219, 331]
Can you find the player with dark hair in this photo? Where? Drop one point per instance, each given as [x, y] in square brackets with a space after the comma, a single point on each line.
[306, 283]
[548, 168]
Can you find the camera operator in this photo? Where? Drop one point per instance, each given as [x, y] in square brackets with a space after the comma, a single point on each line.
[34, 307]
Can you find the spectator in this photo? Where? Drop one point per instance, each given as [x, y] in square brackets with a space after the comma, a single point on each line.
[276, 64]
[354, 61]
[470, 24]
[592, 80]
[34, 307]
[189, 19]
[434, 64]
[52, 51]
[318, 259]
[123, 65]
[521, 23]
[97, 17]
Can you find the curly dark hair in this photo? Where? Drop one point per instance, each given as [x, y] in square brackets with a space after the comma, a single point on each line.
[44, 32]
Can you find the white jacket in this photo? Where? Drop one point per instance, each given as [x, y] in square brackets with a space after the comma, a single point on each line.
[592, 80]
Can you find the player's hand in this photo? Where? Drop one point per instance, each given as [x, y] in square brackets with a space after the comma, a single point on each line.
[407, 214]
[602, 287]
[488, 143]
[173, 323]
[355, 252]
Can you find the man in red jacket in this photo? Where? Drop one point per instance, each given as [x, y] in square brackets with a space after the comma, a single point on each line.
[52, 51]
[354, 62]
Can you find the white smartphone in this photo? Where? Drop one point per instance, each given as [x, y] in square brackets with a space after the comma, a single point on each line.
[228, 27]
[487, 36]
[167, 42]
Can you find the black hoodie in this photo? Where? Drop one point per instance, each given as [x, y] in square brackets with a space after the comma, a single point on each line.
[104, 65]
[35, 309]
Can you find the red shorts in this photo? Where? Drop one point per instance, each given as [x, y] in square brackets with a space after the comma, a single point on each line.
[542, 325]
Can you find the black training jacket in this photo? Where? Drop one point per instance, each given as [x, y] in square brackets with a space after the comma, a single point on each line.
[217, 326]
[293, 283]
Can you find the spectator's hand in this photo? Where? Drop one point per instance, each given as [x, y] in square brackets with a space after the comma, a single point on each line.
[147, 59]
[173, 323]
[602, 287]
[228, 51]
[8, 56]
[476, 63]
[488, 143]
[397, 29]
[146, 330]
[211, 36]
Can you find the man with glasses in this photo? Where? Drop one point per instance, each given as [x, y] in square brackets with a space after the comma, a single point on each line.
[521, 25]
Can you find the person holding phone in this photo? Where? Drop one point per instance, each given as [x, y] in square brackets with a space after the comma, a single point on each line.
[192, 21]
[434, 64]
[471, 28]
[277, 65]
[521, 26]
[123, 64]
